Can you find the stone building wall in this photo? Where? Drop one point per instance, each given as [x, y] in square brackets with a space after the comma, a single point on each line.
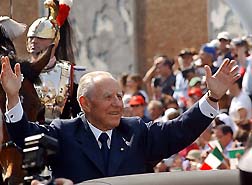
[104, 35]
[223, 18]
[122, 36]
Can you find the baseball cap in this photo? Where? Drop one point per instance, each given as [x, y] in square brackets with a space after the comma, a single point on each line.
[207, 48]
[239, 42]
[195, 91]
[215, 43]
[194, 80]
[194, 155]
[136, 100]
[224, 35]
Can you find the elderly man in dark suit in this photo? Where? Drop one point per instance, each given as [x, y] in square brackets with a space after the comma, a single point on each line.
[101, 143]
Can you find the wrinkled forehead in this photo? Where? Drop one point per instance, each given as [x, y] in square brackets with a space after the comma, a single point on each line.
[106, 83]
[99, 80]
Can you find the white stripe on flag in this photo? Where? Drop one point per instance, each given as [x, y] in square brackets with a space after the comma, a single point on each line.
[215, 143]
[213, 161]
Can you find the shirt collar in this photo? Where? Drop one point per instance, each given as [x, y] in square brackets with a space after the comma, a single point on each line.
[97, 132]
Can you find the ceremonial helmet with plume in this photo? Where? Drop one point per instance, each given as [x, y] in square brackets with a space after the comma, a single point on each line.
[48, 27]
[55, 26]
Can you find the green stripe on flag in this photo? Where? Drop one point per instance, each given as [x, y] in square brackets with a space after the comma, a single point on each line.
[234, 152]
[217, 153]
[212, 161]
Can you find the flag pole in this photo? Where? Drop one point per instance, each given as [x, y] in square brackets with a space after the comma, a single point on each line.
[11, 9]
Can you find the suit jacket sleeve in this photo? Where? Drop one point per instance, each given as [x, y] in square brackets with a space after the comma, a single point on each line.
[20, 130]
[165, 139]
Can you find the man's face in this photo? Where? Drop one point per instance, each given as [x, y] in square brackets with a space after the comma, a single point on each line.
[105, 105]
[131, 85]
[187, 60]
[240, 50]
[138, 110]
[154, 111]
[223, 139]
[162, 69]
[35, 45]
[206, 58]
[223, 44]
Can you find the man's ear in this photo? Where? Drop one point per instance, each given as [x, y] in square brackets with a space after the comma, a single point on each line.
[85, 103]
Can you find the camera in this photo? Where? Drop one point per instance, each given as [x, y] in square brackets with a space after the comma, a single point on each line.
[37, 150]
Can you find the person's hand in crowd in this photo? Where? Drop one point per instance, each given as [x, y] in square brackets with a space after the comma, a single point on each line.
[161, 167]
[58, 181]
[225, 164]
[158, 61]
[219, 82]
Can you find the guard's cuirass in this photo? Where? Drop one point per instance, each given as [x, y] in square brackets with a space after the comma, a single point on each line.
[55, 88]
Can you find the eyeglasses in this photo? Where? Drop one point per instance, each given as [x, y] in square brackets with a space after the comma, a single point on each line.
[224, 40]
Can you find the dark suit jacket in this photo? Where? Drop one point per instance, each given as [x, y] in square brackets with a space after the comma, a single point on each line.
[134, 144]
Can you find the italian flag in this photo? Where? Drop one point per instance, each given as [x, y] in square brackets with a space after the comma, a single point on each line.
[213, 160]
[232, 154]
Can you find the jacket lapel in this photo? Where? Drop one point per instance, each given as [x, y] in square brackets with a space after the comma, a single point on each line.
[118, 150]
[89, 145]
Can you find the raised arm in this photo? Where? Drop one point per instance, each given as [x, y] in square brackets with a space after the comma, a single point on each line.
[219, 83]
[11, 81]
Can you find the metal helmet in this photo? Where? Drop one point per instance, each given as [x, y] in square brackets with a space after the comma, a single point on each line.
[42, 28]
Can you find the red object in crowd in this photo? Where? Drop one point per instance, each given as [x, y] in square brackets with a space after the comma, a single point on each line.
[242, 71]
[195, 91]
[185, 151]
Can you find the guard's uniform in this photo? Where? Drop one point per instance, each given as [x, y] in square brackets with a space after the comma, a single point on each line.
[57, 91]
[55, 88]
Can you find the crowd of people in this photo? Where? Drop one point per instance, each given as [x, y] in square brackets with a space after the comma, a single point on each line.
[102, 142]
[174, 84]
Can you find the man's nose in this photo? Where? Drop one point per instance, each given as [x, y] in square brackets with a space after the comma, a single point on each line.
[33, 39]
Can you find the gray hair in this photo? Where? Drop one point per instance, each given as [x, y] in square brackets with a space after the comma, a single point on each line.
[87, 82]
[155, 103]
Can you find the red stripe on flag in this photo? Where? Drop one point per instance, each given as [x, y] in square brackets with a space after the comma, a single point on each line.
[205, 166]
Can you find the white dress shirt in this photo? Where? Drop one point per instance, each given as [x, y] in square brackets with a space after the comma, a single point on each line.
[15, 114]
[97, 132]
